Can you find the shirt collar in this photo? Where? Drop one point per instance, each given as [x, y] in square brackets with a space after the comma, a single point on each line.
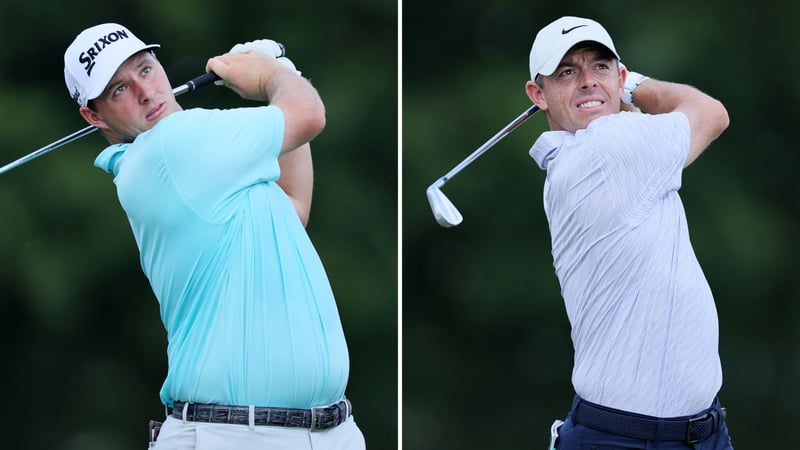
[546, 147]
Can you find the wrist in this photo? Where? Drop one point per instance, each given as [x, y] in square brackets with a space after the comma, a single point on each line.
[632, 81]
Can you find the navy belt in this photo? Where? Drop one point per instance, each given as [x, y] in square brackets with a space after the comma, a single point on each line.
[690, 429]
[321, 418]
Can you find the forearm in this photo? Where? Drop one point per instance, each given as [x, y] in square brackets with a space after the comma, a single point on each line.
[257, 77]
[659, 97]
[302, 107]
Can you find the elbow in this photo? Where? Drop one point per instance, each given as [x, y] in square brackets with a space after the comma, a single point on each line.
[317, 119]
[304, 118]
[312, 113]
[310, 122]
[723, 120]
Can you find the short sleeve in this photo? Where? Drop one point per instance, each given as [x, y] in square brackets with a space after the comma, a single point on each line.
[643, 156]
[213, 154]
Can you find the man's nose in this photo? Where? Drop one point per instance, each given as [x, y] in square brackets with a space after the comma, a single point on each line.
[145, 92]
[588, 79]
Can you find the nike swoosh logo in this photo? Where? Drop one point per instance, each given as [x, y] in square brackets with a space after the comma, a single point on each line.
[563, 31]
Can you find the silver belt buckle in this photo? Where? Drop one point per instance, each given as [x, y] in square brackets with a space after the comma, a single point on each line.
[314, 412]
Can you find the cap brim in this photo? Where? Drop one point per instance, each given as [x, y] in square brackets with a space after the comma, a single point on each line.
[102, 82]
[552, 64]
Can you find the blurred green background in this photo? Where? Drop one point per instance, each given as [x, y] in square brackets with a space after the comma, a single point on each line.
[81, 340]
[487, 355]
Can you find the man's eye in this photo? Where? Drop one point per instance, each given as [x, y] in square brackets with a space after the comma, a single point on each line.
[119, 90]
[566, 72]
[146, 69]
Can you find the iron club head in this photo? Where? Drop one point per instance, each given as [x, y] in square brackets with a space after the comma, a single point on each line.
[443, 209]
[444, 212]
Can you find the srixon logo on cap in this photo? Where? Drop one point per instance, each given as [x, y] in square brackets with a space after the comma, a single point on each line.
[88, 57]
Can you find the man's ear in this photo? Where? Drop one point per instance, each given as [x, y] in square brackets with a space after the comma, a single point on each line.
[623, 75]
[536, 95]
[92, 117]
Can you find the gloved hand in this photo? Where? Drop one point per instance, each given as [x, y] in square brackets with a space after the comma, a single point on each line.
[631, 83]
[266, 47]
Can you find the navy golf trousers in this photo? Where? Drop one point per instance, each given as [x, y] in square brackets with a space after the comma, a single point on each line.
[577, 436]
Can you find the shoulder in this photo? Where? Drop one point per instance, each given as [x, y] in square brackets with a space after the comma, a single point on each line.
[635, 125]
[203, 124]
[628, 118]
[201, 115]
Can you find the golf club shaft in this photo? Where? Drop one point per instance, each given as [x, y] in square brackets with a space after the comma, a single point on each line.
[487, 145]
[445, 213]
[189, 86]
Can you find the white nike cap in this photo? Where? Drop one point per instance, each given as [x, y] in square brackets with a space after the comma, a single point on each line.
[554, 41]
[94, 56]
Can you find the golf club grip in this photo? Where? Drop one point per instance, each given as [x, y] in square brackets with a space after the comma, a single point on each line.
[197, 82]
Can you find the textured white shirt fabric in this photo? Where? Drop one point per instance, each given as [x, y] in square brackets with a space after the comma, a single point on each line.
[644, 323]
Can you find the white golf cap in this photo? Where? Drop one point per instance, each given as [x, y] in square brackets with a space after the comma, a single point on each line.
[94, 56]
[554, 41]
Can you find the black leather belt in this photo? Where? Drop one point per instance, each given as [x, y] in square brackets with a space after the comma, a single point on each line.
[321, 418]
[691, 429]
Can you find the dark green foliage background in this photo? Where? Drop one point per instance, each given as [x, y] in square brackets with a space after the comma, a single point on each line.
[82, 344]
[487, 354]
[486, 347]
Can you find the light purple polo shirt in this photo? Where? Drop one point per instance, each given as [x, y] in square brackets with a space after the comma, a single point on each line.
[644, 322]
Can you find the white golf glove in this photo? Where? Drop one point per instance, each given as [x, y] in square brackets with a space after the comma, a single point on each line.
[633, 81]
[266, 47]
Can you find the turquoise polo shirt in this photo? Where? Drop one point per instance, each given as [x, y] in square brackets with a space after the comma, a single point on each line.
[248, 309]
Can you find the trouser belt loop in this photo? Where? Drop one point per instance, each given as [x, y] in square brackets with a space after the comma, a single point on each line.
[660, 430]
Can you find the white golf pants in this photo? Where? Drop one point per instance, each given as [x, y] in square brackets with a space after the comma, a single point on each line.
[179, 435]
